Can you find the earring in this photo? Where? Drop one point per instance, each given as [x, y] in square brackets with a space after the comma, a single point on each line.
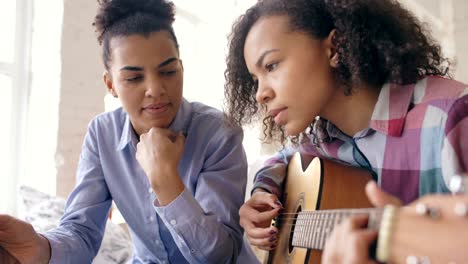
[336, 60]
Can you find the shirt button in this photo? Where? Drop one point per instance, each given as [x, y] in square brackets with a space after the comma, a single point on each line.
[192, 250]
[151, 219]
[156, 242]
[173, 222]
[150, 190]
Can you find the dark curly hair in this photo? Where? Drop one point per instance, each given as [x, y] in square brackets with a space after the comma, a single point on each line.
[128, 17]
[376, 41]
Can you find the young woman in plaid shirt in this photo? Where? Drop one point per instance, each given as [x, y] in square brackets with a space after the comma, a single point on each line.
[354, 81]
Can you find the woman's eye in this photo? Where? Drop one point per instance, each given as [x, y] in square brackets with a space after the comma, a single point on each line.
[271, 66]
[134, 79]
[168, 73]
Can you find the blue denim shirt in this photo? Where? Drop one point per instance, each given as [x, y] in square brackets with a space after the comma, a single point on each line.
[200, 226]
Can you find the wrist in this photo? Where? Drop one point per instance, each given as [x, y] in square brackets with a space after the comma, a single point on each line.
[45, 250]
[167, 185]
[259, 189]
[163, 176]
[169, 193]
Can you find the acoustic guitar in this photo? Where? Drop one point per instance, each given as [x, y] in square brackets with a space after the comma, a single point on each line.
[314, 201]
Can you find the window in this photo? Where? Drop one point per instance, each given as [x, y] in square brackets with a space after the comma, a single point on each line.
[39, 154]
[7, 27]
[5, 118]
[15, 17]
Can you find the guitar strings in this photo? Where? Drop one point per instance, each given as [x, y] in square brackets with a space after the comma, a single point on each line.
[319, 215]
[311, 224]
[338, 211]
[292, 217]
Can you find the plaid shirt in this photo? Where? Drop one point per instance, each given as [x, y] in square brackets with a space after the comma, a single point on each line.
[416, 141]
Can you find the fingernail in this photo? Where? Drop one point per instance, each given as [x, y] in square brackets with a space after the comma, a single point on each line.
[273, 232]
[278, 203]
[272, 239]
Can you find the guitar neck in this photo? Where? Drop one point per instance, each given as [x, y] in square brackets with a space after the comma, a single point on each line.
[313, 227]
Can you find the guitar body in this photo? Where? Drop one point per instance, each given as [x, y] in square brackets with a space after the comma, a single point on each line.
[323, 185]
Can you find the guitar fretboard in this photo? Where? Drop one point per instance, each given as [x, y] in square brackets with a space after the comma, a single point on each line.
[313, 227]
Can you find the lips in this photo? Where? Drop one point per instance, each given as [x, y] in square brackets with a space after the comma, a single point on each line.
[274, 112]
[156, 108]
[279, 115]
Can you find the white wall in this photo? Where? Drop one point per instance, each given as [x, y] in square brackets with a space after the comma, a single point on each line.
[461, 39]
[448, 23]
[82, 90]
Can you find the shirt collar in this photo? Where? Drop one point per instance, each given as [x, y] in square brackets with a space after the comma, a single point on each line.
[388, 117]
[390, 111]
[180, 123]
[128, 134]
[183, 117]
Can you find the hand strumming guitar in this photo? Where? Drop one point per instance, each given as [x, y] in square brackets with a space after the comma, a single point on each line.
[256, 216]
[414, 230]
[350, 241]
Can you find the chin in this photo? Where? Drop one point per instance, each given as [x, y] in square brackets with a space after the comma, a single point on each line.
[161, 124]
[294, 129]
[291, 131]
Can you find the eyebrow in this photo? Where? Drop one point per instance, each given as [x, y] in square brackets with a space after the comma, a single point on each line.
[131, 68]
[262, 57]
[168, 61]
[162, 64]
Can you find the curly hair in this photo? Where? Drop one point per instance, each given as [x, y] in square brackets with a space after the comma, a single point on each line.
[376, 42]
[127, 17]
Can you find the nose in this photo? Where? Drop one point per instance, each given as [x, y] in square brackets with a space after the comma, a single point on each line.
[264, 93]
[155, 87]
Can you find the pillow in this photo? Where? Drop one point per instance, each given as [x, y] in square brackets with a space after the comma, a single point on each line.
[43, 211]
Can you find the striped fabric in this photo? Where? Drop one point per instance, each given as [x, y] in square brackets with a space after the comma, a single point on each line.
[416, 141]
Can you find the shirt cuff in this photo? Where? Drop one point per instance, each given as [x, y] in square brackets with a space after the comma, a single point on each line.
[267, 187]
[57, 256]
[258, 187]
[184, 210]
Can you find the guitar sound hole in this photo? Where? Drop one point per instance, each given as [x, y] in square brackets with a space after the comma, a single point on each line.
[293, 227]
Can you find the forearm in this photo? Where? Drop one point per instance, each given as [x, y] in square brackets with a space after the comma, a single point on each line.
[78, 237]
[44, 253]
[167, 185]
[200, 236]
[68, 246]
[273, 173]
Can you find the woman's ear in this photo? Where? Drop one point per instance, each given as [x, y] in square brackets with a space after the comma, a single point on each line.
[332, 50]
[109, 85]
